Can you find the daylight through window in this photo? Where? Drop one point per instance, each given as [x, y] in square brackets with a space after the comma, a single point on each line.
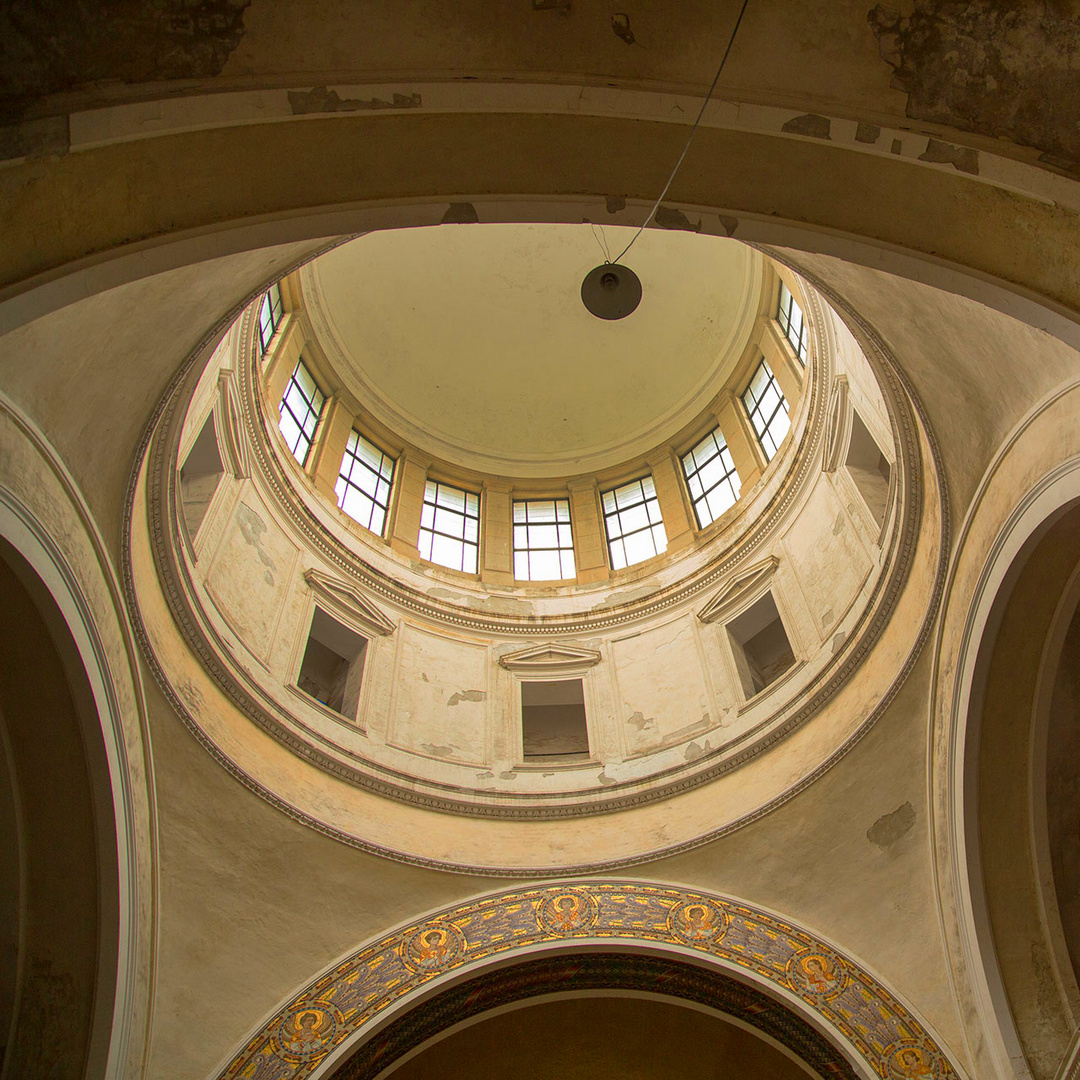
[790, 317]
[768, 409]
[301, 405]
[635, 530]
[450, 527]
[364, 483]
[543, 543]
[269, 315]
[711, 477]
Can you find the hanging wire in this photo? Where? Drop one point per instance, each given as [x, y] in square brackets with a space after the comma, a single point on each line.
[689, 138]
[602, 241]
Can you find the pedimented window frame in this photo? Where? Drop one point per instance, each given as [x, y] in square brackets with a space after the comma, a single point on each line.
[554, 662]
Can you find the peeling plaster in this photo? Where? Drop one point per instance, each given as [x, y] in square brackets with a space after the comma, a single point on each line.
[467, 695]
[963, 158]
[36, 138]
[439, 751]
[891, 827]
[460, 213]
[867, 133]
[55, 46]
[667, 217]
[321, 100]
[817, 127]
[1002, 70]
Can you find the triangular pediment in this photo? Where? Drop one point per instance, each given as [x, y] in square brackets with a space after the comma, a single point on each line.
[550, 658]
[738, 590]
[347, 602]
[230, 431]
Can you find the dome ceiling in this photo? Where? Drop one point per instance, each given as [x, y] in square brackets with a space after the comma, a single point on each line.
[471, 341]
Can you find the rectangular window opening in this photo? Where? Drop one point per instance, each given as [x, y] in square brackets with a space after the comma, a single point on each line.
[632, 521]
[270, 314]
[450, 527]
[760, 645]
[301, 406]
[790, 317]
[768, 409]
[333, 666]
[868, 467]
[711, 477]
[199, 476]
[553, 720]
[365, 481]
[543, 540]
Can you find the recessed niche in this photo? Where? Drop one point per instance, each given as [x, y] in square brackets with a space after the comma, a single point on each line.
[199, 476]
[868, 467]
[760, 645]
[553, 720]
[333, 666]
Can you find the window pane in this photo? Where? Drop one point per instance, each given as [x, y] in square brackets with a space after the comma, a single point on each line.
[299, 412]
[767, 409]
[544, 566]
[446, 551]
[545, 543]
[450, 527]
[711, 477]
[639, 546]
[630, 512]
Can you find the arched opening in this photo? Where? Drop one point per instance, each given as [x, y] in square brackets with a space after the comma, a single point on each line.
[598, 1014]
[59, 920]
[1024, 778]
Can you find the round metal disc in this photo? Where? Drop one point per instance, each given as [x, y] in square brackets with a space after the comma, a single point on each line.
[611, 291]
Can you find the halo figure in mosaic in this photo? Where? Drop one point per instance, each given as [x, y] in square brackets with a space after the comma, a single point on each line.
[567, 912]
[815, 973]
[306, 1033]
[699, 922]
[913, 1062]
[433, 948]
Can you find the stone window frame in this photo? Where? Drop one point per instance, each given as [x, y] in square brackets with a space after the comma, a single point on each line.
[562, 550]
[692, 473]
[273, 306]
[367, 471]
[754, 409]
[616, 511]
[464, 540]
[800, 343]
[312, 413]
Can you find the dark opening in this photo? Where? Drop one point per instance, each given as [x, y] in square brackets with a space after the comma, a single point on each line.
[553, 719]
[868, 467]
[333, 666]
[760, 644]
[199, 476]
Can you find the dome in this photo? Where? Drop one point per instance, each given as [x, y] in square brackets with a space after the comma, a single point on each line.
[725, 508]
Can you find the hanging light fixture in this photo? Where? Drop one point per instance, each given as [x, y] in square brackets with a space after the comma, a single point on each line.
[611, 290]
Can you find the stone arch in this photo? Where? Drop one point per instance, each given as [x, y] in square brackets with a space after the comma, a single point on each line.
[871, 1032]
[1008, 636]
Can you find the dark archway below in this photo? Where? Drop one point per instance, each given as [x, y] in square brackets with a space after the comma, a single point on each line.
[56, 987]
[541, 1046]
